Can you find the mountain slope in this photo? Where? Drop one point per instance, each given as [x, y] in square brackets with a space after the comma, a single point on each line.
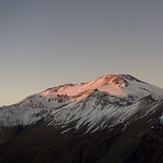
[123, 90]
[111, 118]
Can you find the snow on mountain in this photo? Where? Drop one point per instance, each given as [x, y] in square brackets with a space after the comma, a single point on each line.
[117, 85]
[108, 100]
[101, 111]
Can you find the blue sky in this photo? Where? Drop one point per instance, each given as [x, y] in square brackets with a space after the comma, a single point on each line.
[48, 43]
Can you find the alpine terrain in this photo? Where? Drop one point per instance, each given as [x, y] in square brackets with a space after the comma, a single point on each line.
[113, 119]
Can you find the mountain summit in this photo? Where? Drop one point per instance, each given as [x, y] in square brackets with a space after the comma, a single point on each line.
[116, 85]
[102, 114]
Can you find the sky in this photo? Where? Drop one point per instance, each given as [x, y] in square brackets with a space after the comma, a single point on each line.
[48, 43]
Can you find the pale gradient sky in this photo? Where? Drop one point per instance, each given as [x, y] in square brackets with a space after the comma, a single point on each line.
[45, 43]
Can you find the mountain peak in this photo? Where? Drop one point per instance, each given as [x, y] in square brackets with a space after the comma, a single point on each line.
[118, 79]
[88, 113]
[121, 85]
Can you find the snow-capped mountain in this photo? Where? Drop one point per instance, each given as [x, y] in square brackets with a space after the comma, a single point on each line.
[99, 98]
[110, 103]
